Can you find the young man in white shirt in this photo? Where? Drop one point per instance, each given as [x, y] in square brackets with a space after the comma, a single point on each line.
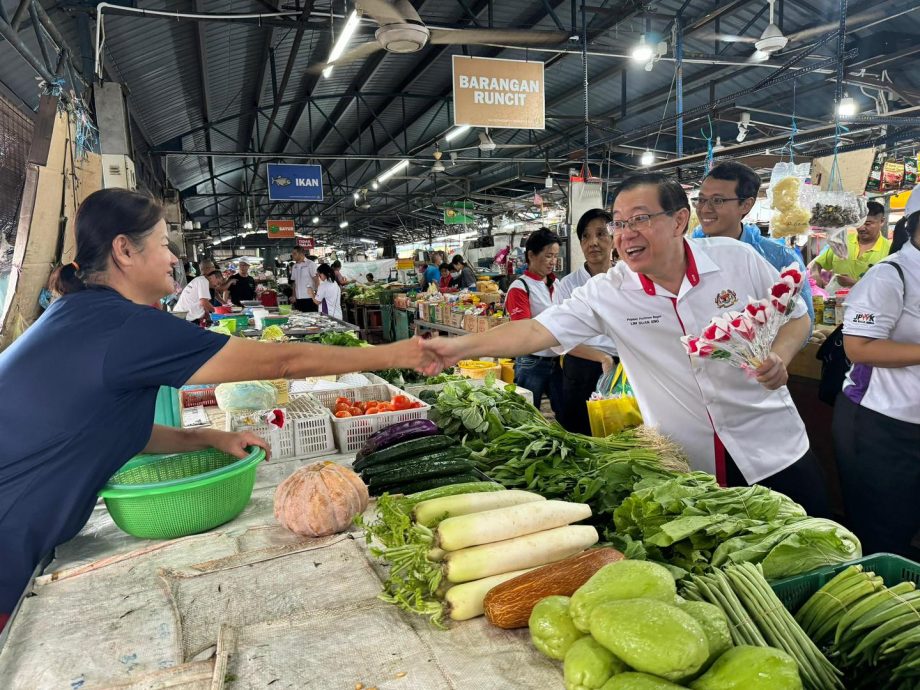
[583, 366]
[195, 298]
[665, 287]
[303, 275]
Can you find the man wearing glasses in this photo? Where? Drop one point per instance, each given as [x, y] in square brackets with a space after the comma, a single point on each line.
[742, 429]
[727, 195]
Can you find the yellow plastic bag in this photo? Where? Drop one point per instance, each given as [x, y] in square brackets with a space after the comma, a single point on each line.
[613, 415]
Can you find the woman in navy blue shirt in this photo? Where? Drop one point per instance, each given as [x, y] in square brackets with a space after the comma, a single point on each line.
[78, 388]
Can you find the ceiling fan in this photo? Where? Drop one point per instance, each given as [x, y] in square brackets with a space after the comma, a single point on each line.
[401, 30]
[772, 40]
[487, 144]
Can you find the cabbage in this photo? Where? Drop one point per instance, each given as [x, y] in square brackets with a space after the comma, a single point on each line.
[246, 396]
[220, 327]
[273, 333]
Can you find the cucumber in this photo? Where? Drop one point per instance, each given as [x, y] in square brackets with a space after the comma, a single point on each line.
[437, 482]
[413, 472]
[370, 473]
[454, 490]
[406, 449]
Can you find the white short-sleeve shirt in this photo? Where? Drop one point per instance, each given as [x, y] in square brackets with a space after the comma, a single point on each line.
[699, 403]
[563, 291]
[188, 302]
[884, 307]
[330, 292]
[303, 274]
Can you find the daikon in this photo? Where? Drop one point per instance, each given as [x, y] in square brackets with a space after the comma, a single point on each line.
[465, 601]
[428, 513]
[501, 524]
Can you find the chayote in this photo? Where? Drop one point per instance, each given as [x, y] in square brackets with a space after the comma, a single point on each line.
[588, 665]
[715, 627]
[751, 668]
[551, 628]
[651, 636]
[639, 681]
[621, 580]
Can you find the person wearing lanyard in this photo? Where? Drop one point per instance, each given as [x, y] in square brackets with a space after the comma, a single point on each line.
[303, 274]
[78, 389]
[584, 365]
[742, 429]
[528, 296]
[328, 295]
[727, 195]
[876, 424]
[865, 248]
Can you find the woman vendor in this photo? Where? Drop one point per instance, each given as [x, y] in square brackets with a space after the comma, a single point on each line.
[78, 388]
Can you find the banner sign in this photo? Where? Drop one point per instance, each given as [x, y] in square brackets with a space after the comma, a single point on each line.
[306, 242]
[280, 229]
[288, 182]
[459, 213]
[498, 93]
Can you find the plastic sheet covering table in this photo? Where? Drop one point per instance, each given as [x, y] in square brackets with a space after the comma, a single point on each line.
[247, 605]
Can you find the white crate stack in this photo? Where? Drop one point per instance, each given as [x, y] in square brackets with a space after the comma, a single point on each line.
[307, 430]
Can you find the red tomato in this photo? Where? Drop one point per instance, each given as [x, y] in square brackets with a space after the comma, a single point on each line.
[372, 410]
[342, 406]
[415, 405]
[342, 400]
[361, 405]
[356, 411]
[400, 400]
[385, 407]
[341, 414]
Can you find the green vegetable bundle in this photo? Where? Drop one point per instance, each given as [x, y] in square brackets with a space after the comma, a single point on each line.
[758, 618]
[400, 377]
[872, 631]
[338, 338]
[692, 524]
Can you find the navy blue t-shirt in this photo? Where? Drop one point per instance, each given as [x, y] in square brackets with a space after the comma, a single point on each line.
[77, 397]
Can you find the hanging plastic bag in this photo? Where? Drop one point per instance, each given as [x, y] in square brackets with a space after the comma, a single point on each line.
[616, 411]
[786, 195]
[834, 213]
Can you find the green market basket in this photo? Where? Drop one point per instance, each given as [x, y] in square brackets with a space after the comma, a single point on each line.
[795, 591]
[170, 496]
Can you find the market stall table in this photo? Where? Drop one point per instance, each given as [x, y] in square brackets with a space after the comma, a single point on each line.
[248, 602]
[444, 328]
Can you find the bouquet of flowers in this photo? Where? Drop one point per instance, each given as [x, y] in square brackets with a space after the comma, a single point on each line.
[744, 339]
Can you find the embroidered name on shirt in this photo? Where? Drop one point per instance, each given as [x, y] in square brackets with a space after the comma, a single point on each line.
[864, 319]
[649, 320]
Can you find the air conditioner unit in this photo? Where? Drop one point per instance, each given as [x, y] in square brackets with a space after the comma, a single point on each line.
[118, 171]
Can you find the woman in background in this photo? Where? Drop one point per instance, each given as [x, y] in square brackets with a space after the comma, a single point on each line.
[328, 294]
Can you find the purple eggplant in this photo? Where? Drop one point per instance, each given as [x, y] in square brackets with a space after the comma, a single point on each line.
[397, 433]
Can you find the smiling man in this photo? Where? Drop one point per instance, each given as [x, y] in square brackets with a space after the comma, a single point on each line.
[741, 429]
[865, 248]
[726, 197]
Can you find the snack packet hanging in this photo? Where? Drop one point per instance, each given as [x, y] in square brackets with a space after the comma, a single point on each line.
[785, 195]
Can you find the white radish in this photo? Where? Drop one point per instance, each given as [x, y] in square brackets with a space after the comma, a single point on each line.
[429, 512]
[527, 551]
[466, 601]
[489, 526]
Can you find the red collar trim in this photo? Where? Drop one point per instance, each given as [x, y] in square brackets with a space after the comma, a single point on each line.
[533, 276]
[693, 275]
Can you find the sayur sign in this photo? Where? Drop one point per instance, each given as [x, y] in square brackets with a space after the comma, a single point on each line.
[498, 93]
[280, 229]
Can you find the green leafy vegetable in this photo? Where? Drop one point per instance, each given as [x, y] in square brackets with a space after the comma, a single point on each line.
[339, 339]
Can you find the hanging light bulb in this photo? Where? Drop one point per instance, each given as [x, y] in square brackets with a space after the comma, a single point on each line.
[847, 107]
[647, 158]
[642, 51]
[343, 224]
[315, 220]
[548, 182]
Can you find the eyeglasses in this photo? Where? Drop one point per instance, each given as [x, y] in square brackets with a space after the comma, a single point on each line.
[638, 223]
[715, 202]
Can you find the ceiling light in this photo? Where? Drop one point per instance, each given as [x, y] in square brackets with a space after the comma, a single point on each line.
[456, 132]
[847, 107]
[647, 158]
[392, 171]
[438, 167]
[315, 220]
[642, 52]
[187, 225]
[247, 225]
[343, 224]
[197, 225]
[356, 195]
[375, 185]
[241, 247]
[342, 42]
[548, 182]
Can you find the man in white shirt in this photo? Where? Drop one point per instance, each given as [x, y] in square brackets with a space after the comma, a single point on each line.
[584, 365]
[195, 298]
[665, 287]
[303, 275]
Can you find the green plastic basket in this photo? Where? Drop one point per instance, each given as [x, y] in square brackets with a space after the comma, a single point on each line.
[170, 496]
[795, 591]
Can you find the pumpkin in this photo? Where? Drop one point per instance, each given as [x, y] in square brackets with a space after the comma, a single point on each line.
[320, 499]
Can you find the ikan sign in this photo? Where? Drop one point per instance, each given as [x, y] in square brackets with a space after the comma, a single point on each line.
[280, 229]
[498, 93]
[295, 182]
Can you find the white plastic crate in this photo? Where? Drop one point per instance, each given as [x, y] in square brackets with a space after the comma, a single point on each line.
[307, 431]
[352, 432]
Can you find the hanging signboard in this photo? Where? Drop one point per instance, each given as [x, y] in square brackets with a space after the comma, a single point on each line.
[280, 229]
[306, 242]
[459, 213]
[489, 92]
[288, 182]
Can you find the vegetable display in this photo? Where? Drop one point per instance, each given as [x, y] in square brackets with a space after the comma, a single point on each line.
[758, 618]
[395, 433]
[338, 338]
[428, 563]
[320, 499]
[346, 407]
[871, 631]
